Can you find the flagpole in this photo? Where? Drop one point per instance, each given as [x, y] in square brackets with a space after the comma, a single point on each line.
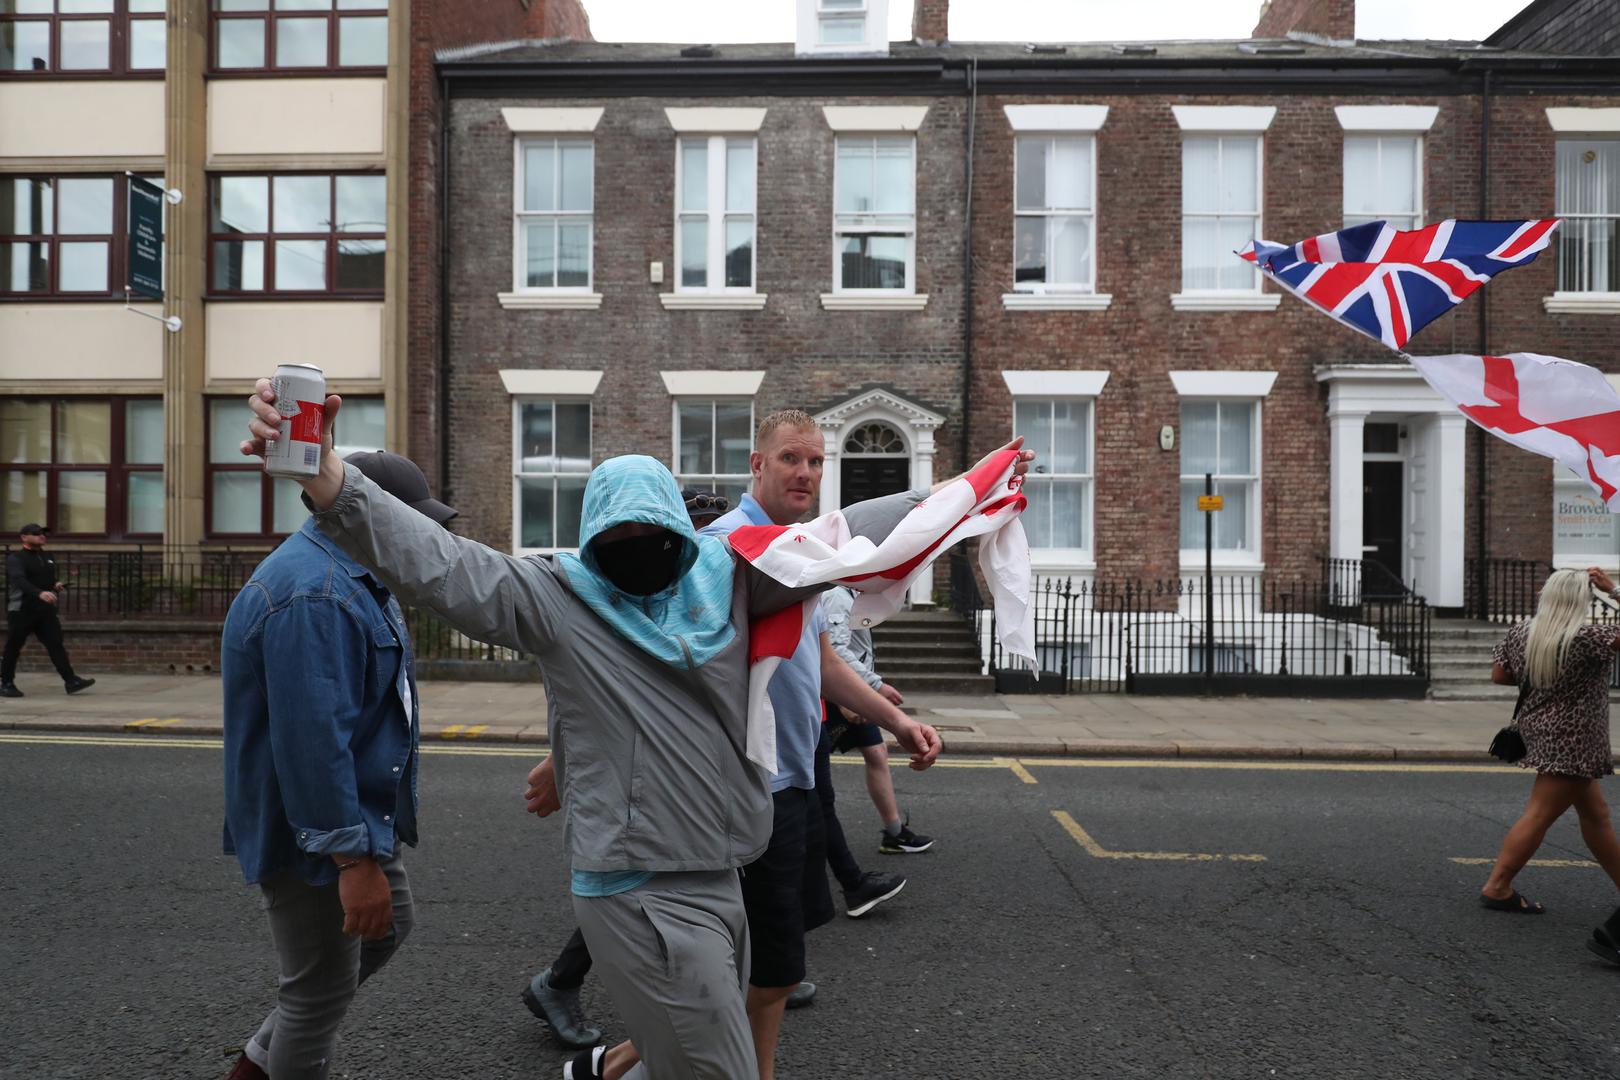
[1209, 583]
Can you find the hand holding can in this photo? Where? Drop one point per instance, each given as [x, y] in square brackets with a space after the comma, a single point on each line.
[265, 428]
[300, 399]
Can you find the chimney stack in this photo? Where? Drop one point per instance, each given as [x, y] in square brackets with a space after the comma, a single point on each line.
[554, 19]
[930, 21]
[1335, 19]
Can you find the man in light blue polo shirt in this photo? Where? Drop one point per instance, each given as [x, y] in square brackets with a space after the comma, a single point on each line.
[785, 890]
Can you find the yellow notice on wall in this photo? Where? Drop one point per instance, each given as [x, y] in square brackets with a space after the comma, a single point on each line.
[1210, 502]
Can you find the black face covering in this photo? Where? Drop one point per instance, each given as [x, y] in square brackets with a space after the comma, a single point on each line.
[641, 565]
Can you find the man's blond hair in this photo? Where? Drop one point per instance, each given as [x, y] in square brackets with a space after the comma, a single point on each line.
[797, 419]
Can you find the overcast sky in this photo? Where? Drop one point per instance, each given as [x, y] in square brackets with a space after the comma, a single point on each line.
[1039, 20]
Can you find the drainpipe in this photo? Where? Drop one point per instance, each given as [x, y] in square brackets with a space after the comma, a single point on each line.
[1481, 451]
[972, 70]
[445, 494]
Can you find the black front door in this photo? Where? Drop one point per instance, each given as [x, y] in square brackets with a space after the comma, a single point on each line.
[869, 477]
[1381, 513]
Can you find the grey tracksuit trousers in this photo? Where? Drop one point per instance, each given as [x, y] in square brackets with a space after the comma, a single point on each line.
[321, 967]
[673, 954]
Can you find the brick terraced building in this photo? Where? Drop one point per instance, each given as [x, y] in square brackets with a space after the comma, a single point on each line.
[931, 244]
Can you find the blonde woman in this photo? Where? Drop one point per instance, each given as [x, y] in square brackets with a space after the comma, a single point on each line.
[1563, 661]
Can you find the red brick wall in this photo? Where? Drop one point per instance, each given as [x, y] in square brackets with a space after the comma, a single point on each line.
[1330, 18]
[439, 24]
[136, 647]
[813, 358]
[930, 21]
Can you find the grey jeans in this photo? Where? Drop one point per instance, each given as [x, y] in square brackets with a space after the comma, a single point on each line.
[321, 967]
[673, 954]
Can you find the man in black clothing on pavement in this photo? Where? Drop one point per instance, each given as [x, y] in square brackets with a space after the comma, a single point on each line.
[31, 609]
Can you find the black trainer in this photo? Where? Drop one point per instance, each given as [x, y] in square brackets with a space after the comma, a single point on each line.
[872, 891]
[585, 1066]
[561, 1011]
[904, 842]
[10, 690]
[75, 684]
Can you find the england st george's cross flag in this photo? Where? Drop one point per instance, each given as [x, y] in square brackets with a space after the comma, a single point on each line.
[1549, 406]
[985, 502]
[1390, 284]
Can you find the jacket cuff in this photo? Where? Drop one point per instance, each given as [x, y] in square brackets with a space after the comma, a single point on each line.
[349, 840]
[872, 679]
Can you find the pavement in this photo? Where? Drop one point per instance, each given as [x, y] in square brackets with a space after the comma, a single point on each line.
[1079, 725]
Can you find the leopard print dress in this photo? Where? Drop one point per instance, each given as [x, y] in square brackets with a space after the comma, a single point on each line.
[1566, 726]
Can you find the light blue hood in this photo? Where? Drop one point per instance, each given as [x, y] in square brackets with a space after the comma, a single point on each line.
[686, 624]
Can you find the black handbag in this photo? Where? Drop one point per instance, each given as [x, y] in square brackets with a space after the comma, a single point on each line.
[1509, 744]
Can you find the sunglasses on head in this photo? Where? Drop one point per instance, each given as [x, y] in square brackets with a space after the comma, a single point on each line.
[707, 502]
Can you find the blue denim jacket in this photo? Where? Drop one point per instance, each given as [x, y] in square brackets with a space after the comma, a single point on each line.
[320, 714]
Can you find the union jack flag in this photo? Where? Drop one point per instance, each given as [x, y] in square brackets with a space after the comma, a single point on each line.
[1390, 284]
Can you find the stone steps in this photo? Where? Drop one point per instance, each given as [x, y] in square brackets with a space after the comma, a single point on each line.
[931, 652]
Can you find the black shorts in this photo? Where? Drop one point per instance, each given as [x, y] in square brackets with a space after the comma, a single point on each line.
[848, 735]
[785, 890]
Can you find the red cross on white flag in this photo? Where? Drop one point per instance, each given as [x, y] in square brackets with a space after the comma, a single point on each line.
[1553, 407]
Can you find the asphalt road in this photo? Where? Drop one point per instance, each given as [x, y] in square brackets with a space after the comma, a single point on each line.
[1355, 947]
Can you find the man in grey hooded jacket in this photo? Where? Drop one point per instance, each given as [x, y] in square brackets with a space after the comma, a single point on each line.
[643, 641]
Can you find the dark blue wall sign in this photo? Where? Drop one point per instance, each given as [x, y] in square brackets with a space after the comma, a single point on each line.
[145, 238]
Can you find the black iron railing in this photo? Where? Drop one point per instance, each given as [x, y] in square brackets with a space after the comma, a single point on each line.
[1106, 635]
[1502, 590]
[1349, 581]
[169, 582]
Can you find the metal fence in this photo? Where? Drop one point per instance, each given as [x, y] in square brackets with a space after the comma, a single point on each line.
[170, 582]
[1231, 634]
[1502, 590]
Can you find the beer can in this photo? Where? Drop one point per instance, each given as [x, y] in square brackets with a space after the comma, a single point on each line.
[300, 391]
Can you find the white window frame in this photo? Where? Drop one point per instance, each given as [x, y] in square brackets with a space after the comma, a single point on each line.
[518, 475]
[717, 215]
[1227, 557]
[1051, 138]
[824, 14]
[520, 253]
[1382, 214]
[1082, 557]
[710, 480]
[1258, 214]
[839, 233]
[1611, 294]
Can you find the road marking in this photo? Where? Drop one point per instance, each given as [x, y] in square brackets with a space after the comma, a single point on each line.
[451, 731]
[476, 730]
[1097, 851]
[899, 761]
[178, 742]
[1261, 766]
[134, 724]
[1018, 769]
[1556, 863]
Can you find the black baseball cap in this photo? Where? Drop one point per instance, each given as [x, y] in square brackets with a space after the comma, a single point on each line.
[401, 478]
[33, 529]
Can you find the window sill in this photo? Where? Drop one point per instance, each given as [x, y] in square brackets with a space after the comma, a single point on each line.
[694, 301]
[1215, 301]
[874, 302]
[1582, 303]
[1024, 301]
[521, 301]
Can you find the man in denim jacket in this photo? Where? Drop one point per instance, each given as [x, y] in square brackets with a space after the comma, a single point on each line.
[320, 773]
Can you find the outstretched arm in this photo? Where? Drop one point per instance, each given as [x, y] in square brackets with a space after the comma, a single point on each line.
[484, 593]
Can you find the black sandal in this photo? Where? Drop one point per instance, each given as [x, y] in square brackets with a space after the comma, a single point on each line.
[1514, 904]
